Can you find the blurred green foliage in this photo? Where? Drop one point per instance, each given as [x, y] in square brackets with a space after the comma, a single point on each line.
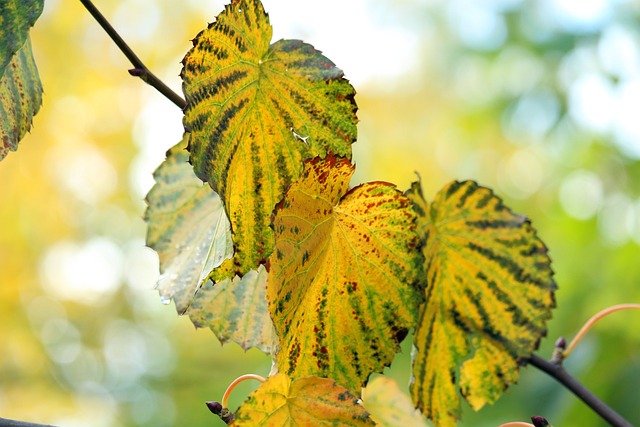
[537, 100]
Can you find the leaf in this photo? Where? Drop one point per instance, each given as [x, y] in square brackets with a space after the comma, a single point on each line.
[343, 287]
[189, 229]
[16, 18]
[309, 401]
[255, 112]
[388, 406]
[20, 98]
[187, 226]
[489, 294]
[236, 310]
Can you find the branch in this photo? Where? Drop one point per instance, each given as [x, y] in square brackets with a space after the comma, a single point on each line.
[557, 371]
[13, 423]
[139, 70]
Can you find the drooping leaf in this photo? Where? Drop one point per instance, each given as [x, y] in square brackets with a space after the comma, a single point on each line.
[309, 401]
[20, 98]
[236, 310]
[187, 226]
[16, 18]
[343, 287]
[189, 229]
[489, 294]
[255, 112]
[388, 406]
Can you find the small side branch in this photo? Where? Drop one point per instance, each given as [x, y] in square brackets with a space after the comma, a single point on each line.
[557, 371]
[139, 70]
[14, 423]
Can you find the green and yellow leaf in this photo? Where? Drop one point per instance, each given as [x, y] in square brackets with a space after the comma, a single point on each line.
[187, 226]
[255, 111]
[388, 406]
[236, 310]
[304, 402]
[20, 98]
[489, 294]
[343, 278]
[16, 19]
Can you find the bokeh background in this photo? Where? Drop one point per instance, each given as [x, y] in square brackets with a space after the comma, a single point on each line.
[539, 100]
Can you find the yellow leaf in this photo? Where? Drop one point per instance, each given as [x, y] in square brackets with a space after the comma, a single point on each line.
[255, 112]
[309, 401]
[343, 287]
[388, 406]
[489, 294]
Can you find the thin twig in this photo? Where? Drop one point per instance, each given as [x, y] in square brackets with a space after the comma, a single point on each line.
[139, 70]
[14, 423]
[557, 371]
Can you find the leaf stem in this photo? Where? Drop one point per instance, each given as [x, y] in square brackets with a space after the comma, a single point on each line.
[557, 371]
[139, 70]
[227, 393]
[516, 424]
[592, 321]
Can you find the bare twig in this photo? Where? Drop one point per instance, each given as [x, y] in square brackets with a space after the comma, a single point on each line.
[139, 70]
[14, 423]
[557, 371]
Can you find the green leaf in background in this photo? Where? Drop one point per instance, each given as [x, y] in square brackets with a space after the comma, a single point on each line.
[344, 283]
[16, 18]
[255, 111]
[304, 402]
[236, 310]
[489, 294]
[187, 226]
[20, 98]
[388, 406]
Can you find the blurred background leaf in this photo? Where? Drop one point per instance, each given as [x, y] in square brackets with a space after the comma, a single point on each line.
[537, 100]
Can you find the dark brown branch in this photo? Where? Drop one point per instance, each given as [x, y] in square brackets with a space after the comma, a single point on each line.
[139, 70]
[13, 423]
[557, 371]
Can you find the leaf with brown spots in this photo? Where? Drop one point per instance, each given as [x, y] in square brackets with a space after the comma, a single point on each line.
[20, 98]
[343, 283]
[304, 402]
[255, 111]
[489, 294]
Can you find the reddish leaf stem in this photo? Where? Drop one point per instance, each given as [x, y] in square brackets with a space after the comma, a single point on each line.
[139, 70]
[225, 397]
[592, 321]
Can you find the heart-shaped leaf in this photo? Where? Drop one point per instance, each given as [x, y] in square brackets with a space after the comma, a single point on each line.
[255, 111]
[489, 294]
[309, 401]
[343, 283]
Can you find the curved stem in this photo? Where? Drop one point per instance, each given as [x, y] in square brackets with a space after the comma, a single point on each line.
[139, 70]
[563, 377]
[593, 320]
[227, 393]
[516, 424]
